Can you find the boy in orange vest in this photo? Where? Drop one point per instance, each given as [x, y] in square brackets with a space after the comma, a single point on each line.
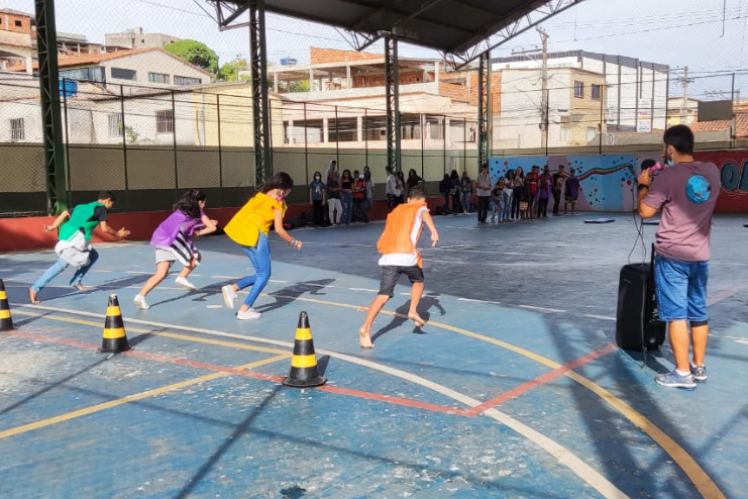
[400, 256]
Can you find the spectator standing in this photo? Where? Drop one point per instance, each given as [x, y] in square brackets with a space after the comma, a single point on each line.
[508, 190]
[466, 189]
[483, 186]
[391, 188]
[454, 191]
[557, 188]
[334, 205]
[317, 199]
[519, 184]
[571, 191]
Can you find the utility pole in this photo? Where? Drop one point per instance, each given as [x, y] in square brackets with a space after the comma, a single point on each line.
[544, 104]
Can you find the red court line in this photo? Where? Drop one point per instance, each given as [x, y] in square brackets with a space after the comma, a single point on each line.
[540, 380]
[249, 374]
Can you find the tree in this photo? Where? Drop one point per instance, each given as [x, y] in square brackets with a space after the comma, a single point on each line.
[230, 70]
[299, 86]
[196, 53]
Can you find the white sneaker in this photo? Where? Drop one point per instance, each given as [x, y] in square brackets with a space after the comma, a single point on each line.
[248, 315]
[181, 281]
[141, 303]
[229, 296]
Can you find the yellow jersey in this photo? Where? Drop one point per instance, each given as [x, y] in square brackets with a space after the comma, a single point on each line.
[254, 217]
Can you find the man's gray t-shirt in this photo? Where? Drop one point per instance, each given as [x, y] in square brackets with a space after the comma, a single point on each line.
[686, 193]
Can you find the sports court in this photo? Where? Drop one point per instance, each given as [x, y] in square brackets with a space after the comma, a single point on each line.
[514, 388]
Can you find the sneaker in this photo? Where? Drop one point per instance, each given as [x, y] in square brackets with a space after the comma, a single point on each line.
[181, 281]
[229, 296]
[698, 373]
[141, 303]
[675, 380]
[248, 315]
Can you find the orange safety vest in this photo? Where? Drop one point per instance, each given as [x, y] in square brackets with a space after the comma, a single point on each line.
[256, 216]
[397, 231]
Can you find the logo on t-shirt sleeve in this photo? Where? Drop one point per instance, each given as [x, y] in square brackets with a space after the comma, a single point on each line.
[698, 189]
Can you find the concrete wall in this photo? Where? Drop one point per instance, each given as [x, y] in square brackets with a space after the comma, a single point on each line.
[154, 61]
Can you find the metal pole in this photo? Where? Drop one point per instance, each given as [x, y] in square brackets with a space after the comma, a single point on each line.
[174, 136]
[547, 113]
[67, 131]
[396, 77]
[220, 148]
[464, 144]
[733, 123]
[444, 142]
[306, 148]
[602, 108]
[366, 138]
[54, 160]
[337, 138]
[423, 174]
[124, 135]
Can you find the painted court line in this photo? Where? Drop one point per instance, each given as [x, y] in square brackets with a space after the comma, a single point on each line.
[364, 289]
[479, 301]
[602, 317]
[728, 293]
[542, 309]
[564, 456]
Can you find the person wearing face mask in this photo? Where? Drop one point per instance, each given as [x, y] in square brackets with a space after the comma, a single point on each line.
[685, 192]
[249, 228]
[317, 199]
[359, 198]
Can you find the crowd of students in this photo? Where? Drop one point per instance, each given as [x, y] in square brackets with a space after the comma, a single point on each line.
[514, 196]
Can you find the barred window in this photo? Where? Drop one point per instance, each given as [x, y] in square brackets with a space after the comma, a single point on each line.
[17, 130]
[115, 126]
[579, 89]
[158, 78]
[165, 121]
[184, 81]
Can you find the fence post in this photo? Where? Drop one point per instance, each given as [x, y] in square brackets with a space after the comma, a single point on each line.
[220, 150]
[124, 136]
[337, 138]
[733, 122]
[366, 137]
[423, 174]
[67, 133]
[464, 144]
[602, 102]
[444, 141]
[306, 148]
[174, 135]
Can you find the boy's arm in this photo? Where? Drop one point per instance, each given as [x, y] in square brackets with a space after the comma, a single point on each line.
[122, 233]
[58, 221]
[430, 224]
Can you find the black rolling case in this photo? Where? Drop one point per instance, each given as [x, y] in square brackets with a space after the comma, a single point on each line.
[638, 326]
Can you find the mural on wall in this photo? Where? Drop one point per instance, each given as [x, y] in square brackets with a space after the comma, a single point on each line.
[608, 182]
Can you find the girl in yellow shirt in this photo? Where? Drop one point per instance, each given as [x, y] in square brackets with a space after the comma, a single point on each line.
[249, 228]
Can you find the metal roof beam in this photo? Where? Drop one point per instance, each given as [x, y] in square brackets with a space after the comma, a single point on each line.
[528, 21]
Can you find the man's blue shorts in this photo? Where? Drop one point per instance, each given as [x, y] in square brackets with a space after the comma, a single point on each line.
[681, 289]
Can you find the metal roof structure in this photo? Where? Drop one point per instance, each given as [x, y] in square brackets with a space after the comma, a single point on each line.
[460, 29]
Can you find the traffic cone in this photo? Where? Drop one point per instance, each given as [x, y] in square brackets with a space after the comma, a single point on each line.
[6, 322]
[304, 373]
[115, 339]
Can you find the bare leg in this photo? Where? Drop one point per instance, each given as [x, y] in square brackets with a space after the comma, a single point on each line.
[364, 334]
[679, 340]
[162, 269]
[188, 269]
[416, 292]
[700, 335]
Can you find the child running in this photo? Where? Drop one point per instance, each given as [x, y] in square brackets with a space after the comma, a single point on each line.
[74, 246]
[173, 241]
[400, 256]
[249, 228]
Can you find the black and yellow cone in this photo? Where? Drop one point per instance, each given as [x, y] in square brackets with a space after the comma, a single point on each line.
[6, 321]
[115, 339]
[304, 373]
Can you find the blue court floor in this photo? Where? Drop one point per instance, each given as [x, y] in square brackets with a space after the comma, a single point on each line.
[513, 389]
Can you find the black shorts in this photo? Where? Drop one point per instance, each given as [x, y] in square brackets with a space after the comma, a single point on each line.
[390, 275]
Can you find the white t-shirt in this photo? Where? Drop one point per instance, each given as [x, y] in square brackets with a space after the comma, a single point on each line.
[406, 259]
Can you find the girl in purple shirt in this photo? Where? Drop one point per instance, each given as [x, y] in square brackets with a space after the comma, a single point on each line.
[173, 241]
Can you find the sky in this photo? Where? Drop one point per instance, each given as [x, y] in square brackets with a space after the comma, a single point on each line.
[674, 32]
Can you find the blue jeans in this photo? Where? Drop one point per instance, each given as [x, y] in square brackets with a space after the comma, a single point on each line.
[507, 205]
[59, 267]
[346, 200]
[681, 289]
[260, 258]
[465, 202]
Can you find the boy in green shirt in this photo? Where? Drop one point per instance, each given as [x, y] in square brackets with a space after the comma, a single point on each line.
[74, 246]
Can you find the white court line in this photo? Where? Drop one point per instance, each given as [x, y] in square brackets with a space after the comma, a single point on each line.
[224, 277]
[479, 301]
[603, 317]
[282, 282]
[137, 272]
[564, 456]
[364, 289]
[102, 271]
[542, 309]
[316, 285]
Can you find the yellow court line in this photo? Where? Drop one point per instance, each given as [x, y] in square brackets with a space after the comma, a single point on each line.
[131, 398]
[704, 484]
[196, 339]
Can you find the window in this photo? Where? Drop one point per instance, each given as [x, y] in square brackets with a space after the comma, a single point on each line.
[591, 133]
[19, 24]
[115, 126]
[97, 75]
[165, 121]
[579, 89]
[17, 130]
[565, 134]
[595, 92]
[123, 74]
[184, 80]
[158, 78]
